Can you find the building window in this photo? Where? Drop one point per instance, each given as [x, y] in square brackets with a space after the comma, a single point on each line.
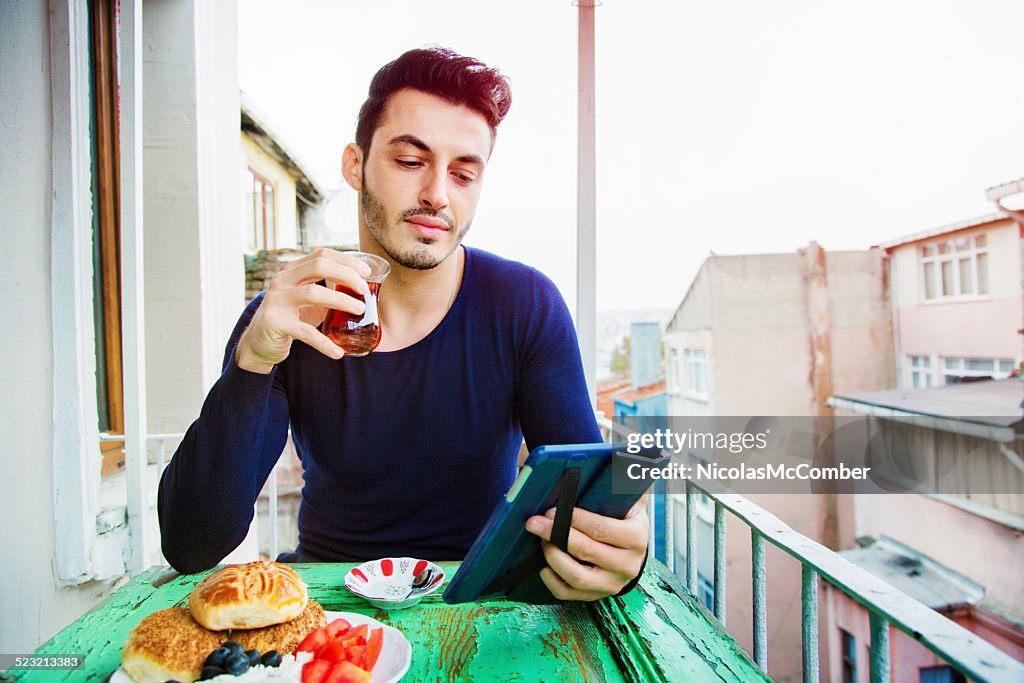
[955, 267]
[849, 645]
[940, 674]
[960, 369]
[261, 220]
[920, 372]
[697, 371]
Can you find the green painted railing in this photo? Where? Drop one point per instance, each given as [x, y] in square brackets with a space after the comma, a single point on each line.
[961, 649]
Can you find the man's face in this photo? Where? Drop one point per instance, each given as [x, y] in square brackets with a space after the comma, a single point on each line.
[422, 179]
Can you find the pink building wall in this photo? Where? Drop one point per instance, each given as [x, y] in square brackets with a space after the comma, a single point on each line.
[906, 656]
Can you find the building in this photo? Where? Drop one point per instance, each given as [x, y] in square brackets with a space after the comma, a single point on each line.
[776, 334]
[957, 301]
[281, 197]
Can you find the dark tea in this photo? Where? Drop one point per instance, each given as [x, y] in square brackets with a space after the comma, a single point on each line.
[356, 334]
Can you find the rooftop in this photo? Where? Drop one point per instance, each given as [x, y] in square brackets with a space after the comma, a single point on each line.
[943, 230]
[915, 574]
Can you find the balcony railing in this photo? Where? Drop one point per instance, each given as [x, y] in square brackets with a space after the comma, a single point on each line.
[961, 649]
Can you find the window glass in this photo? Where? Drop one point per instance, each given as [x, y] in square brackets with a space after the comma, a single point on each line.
[966, 276]
[1006, 366]
[947, 278]
[963, 243]
[979, 240]
[944, 247]
[981, 365]
[982, 273]
[929, 281]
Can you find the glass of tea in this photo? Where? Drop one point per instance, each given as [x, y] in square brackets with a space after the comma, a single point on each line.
[359, 334]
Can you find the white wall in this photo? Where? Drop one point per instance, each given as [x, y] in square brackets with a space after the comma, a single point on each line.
[193, 214]
[195, 278]
[32, 608]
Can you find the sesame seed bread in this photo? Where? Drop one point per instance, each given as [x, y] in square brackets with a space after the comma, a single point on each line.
[168, 645]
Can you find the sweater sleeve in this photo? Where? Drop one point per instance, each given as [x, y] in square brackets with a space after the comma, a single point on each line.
[208, 491]
[551, 392]
[552, 399]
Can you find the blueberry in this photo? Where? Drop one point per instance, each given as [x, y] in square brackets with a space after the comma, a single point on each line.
[237, 664]
[271, 658]
[235, 647]
[253, 656]
[217, 657]
[211, 672]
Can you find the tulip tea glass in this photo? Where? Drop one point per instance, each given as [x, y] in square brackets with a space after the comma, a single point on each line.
[357, 335]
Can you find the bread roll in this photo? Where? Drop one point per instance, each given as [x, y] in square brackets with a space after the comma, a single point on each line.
[250, 595]
[283, 637]
[168, 645]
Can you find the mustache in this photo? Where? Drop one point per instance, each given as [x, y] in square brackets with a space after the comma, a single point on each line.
[430, 213]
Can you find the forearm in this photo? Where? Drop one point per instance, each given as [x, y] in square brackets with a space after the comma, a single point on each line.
[208, 491]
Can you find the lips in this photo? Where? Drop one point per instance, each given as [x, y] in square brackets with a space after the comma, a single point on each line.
[428, 226]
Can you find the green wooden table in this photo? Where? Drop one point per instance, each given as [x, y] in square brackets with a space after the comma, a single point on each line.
[656, 633]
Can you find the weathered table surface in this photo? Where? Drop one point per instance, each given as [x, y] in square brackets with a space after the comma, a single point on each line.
[658, 632]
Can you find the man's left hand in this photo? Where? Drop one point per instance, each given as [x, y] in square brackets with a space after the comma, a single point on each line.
[604, 553]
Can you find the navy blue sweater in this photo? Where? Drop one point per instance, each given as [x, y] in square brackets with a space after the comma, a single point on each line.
[405, 452]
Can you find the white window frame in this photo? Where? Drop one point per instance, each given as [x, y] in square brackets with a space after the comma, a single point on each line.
[957, 367]
[76, 456]
[697, 368]
[929, 255]
[920, 367]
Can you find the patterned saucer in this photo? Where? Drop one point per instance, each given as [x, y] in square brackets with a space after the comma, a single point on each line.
[385, 582]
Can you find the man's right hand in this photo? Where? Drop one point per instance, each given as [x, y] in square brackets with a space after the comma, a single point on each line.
[295, 305]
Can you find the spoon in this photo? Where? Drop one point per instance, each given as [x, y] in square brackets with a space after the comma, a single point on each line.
[419, 582]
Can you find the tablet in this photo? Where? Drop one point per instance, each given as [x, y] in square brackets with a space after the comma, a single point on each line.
[506, 559]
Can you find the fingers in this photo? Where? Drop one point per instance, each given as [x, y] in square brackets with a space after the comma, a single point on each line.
[350, 273]
[563, 591]
[630, 532]
[580, 578]
[305, 332]
[586, 549]
[317, 295]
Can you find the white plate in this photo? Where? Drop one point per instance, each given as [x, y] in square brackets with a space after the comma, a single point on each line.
[394, 660]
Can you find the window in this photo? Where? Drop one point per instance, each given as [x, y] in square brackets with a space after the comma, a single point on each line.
[921, 372]
[697, 371]
[940, 674]
[849, 645]
[956, 267]
[958, 369]
[106, 231]
[260, 221]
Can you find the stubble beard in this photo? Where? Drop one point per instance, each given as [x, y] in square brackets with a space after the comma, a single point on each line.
[415, 258]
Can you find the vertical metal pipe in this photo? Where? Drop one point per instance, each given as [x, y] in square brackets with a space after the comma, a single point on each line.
[133, 333]
[879, 649]
[272, 509]
[586, 200]
[670, 530]
[760, 609]
[809, 623]
[720, 562]
[691, 540]
[653, 519]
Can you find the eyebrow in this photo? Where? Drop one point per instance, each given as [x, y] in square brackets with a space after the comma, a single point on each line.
[406, 139]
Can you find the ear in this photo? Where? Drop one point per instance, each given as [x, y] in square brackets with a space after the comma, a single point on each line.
[352, 166]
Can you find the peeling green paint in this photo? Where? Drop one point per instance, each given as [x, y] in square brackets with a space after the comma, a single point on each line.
[659, 632]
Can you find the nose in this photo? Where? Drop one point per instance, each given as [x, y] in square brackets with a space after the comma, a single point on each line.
[434, 194]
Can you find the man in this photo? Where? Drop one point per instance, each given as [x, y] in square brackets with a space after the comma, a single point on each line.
[407, 450]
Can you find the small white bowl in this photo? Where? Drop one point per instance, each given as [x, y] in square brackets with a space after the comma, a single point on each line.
[385, 582]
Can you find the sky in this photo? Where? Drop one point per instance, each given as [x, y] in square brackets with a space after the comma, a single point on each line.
[732, 127]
